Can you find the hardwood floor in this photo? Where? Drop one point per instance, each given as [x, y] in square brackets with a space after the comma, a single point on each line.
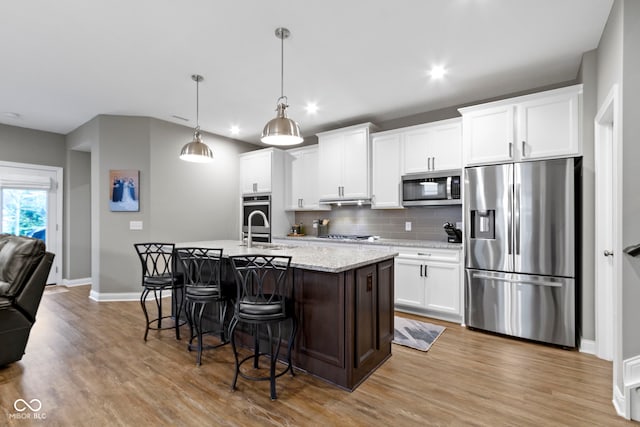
[88, 365]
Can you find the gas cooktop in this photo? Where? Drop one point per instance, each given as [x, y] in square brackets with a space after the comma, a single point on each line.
[345, 236]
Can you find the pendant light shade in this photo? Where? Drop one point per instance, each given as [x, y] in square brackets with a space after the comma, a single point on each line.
[197, 151]
[281, 130]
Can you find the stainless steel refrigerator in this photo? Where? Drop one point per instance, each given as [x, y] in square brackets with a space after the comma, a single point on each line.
[520, 242]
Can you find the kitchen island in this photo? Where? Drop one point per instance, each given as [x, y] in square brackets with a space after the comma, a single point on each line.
[344, 306]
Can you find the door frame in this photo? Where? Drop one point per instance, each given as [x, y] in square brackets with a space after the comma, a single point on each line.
[608, 296]
[57, 261]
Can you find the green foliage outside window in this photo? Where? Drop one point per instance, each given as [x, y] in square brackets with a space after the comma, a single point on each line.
[24, 212]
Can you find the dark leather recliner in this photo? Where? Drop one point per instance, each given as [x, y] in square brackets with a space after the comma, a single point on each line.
[24, 268]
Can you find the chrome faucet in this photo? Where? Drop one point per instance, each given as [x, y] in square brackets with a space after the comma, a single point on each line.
[266, 224]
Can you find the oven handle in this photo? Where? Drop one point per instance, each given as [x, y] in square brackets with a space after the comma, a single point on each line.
[256, 204]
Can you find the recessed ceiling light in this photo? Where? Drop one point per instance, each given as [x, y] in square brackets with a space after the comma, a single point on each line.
[311, 108]
[11, 115]
[437, 72]
[235, 130]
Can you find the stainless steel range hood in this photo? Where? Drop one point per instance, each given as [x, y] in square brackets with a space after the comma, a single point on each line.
[346, 202]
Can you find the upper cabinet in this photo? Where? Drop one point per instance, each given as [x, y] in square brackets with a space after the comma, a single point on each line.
[344, 162]
[416, 149]
[386, 170]
[432, 147]
[302, 178]
[531, 127]
[257, 170]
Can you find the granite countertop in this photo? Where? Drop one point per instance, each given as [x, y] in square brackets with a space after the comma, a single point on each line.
[318, 258]
[433, 244]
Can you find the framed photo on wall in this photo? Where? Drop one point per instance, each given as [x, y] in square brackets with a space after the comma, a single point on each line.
[125, 190]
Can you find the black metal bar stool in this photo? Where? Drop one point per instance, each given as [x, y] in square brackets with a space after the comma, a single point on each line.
[202, 268]
[262, 303]
[158, 275]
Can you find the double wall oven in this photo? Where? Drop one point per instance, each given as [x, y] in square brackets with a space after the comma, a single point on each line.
[261, 202]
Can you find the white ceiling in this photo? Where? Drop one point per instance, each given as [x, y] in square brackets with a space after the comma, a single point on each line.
[64, 62]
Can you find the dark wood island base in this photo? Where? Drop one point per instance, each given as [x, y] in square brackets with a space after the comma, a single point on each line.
[344, 308]
[345, 324]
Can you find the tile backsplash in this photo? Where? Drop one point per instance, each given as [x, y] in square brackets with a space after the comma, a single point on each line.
[426, 222]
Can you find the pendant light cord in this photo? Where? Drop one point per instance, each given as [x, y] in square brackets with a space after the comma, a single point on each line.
[281, 65]
[197, 104]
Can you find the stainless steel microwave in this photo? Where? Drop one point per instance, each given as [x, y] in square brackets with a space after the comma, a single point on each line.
[431, 188]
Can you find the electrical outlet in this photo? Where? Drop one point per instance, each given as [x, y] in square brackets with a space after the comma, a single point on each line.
[407, 226]
[135, 225]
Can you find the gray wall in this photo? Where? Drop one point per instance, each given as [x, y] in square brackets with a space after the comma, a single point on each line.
[31, 146]
[77, 229]
[609, 73]
[631, 177]
[78, 222]
[588, 76]
[179, 201]
[619, 62]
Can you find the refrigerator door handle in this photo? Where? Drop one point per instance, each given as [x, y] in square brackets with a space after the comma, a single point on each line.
[517, 282]
[509, 217]
[516, 214]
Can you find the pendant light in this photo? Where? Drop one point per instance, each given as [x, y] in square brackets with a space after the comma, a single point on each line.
[281, 130]
[197, 151]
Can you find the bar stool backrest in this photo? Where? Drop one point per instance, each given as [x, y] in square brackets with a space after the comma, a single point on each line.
[156, 259]
[262, 285]
[202, 267]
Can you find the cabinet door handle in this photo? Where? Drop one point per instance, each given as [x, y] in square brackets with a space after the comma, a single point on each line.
[428, 163]
[421, 270]
[433, 163]
[510, 149]
[523, 146]
[426, 271]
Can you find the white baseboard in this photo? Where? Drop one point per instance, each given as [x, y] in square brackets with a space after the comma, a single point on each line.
[120, 296]
[619, 402]
[587, 346]
[76, 282]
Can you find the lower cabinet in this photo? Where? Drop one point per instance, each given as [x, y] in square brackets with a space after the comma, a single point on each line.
[428, 281]
[345, 322]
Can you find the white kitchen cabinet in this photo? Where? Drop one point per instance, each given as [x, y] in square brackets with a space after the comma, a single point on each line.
[255, 171]
[344, 163]
[549, 127]
[415, 149]
[432, 147]
[302, 178]
[386, 171]
[538, 126]
[428, 281]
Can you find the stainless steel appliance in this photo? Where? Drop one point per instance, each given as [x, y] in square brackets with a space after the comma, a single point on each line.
[346, 236]
[520, 249]
[260, 231]
[431, 188]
